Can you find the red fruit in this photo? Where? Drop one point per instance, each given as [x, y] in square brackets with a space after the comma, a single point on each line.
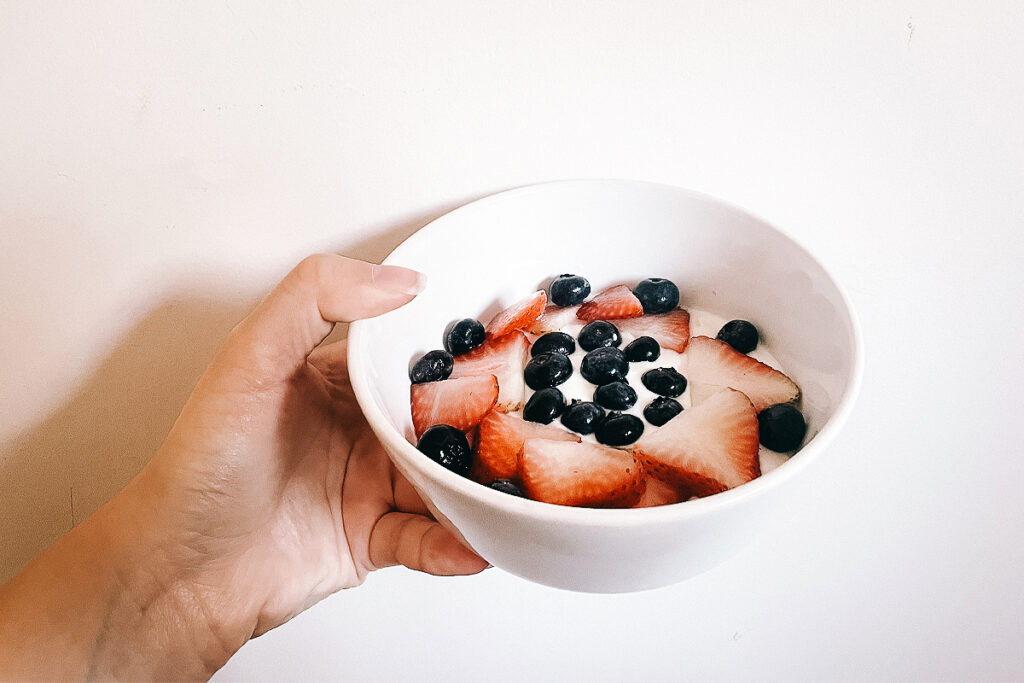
[672, 329]
[518, 316]
[657, 492]
[553, 319]
[611, 304]
[710, 364]
[580, 474]
[501, 440]
[705, 449]
[504, 357]
[461, 402]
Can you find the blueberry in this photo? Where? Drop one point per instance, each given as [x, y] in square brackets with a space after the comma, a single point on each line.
[619, 429]
[661, 410]
[615, 396]
[544, 406]
[582, 416]
[568, 290]
[657, 295]
[664, 381]
[553, 342]
[432, 367]
[464, 336]
[782, 427]
[448, 446]
[599, 333]
[643, 349]
[740, 335]
[506, 486]
[604, 365]
[547, 370]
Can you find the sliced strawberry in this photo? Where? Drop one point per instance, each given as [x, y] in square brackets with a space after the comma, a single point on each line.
[518, 316]
[580, 474]
[461, 402]
[672, 329]
[554, 319]
[505, 358]
[710, 364]
[708, 448]
[657, 492]
[611, 304]
[501, 442]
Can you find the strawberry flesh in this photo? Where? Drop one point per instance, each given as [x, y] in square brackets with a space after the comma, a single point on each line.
[710, 364]
[580, 474]
[671, 330]
[611, 304]
[500, 443]
[553, 319]
[504, 358]
[518, 316]
[461, 402]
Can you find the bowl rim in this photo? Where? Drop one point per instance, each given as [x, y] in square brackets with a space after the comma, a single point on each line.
[540, 511]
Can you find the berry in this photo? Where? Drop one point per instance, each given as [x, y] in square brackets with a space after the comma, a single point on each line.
[782, 427]
[619, 429]
[712, 364]
[740, 335]
[582, 416]
[553, 342]
[553, 319]
[671, 330]
[447, 446]
[657, 295]
[569, 290]
[615, 396]
[547, 370]
[460, 402]
[433, 366]
[604, 365]
[506, 486]
[661, 410]
[643, 349]
[504, 358]
[500, 443]
[581, 474]
[664, 381]
[597, 334]
[544, 406]
[708, 448]
[464, 336]
[520, 315]
[611, 304]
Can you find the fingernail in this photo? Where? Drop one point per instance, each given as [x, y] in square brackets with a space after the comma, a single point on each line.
[398, 279]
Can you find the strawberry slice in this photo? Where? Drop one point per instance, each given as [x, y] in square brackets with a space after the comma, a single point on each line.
[657, 492]
[710, 364]
[706, 449]
[580, 474]
[672, 329]
[518, 316]
[554, 319]
[461, 402]
[501, 443]
[504, 357]
[611, 304]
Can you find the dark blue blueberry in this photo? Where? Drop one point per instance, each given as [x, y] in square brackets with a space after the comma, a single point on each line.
[448, 446]
[604, 365]
[553, 342]
[432, 367]
[740, 335]
[599, 333]
[582, 416]
[464, 336]
[657, 295]
[619, 429]
[781, 427]
[547, 370]
[506, 486]
[661, 410]
[569, 290]
[664, 381]
[615, 396]
[643, 349]
[544, 406]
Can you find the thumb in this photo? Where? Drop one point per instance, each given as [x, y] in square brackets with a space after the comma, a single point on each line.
[301, 311]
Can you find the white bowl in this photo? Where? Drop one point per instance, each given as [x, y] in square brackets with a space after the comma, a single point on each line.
[492, 252]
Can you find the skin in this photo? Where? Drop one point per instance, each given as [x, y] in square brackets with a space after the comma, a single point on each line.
[269, 494]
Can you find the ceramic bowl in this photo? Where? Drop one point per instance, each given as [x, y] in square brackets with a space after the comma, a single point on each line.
[490, 253]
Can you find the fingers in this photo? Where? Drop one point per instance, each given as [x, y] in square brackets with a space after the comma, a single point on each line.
[421, 544]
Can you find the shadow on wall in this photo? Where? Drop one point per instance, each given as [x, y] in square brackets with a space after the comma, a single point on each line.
[65, 468]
